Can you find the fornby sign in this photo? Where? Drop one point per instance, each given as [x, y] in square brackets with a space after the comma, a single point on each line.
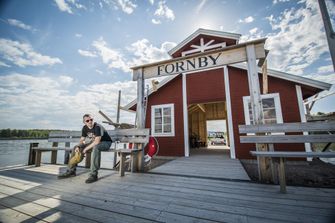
[200, 61]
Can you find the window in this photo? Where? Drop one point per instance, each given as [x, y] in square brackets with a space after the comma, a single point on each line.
[271, 109]
[162, 120]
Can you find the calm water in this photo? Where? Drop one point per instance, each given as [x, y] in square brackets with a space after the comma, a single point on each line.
[16, 152]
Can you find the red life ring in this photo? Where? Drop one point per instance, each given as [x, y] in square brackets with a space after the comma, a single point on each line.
[152, 148]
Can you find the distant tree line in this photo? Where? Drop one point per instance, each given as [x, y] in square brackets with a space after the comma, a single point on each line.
[29, 133]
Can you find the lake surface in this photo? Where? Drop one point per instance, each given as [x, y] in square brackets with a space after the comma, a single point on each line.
[16, 152]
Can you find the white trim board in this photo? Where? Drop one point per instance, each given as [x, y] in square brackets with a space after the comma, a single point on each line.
[278, 74]
[229, 114]
[290, 77]
[185, 117]
[205, 32]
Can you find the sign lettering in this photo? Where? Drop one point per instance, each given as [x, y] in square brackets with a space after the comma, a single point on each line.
[200, 61]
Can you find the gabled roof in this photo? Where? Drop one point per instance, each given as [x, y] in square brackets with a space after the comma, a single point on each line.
[273, 73]
[290, 77]
[208, 32]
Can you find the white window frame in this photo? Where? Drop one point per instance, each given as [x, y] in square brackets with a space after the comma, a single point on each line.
[153, 133]
[275, 96]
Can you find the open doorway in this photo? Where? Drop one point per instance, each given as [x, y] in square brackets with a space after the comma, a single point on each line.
[217, 134]
[208, 121]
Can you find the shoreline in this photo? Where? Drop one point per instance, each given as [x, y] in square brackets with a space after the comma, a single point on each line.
[23, 138]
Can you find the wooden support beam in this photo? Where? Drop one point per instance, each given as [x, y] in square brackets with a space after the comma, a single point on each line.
[118, 108]
[202, 108]
[265, 77]
[140, 118]
[328, 29]
[264, 164]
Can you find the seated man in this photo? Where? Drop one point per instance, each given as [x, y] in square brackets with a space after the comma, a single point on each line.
[99, 140]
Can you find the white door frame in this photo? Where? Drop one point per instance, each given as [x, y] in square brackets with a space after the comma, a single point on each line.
[229, 114]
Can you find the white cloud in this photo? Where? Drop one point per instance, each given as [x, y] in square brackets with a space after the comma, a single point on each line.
[18, 23]
[152, 2]
[86, 53]
[248, 19]
[277, 1]
[78, 35]
[112, 57]
[156, 22]
[292, 47]
[253, 31]
[24, 104]
[145, 52]
[139, 52]
[99, 71]
[200, 6]
[3, 64]
[66, 5]
[22, 54]
[63, 6]
[329, 78]
[66, 81]
[163, 11]
[127, 6]
[325, 69]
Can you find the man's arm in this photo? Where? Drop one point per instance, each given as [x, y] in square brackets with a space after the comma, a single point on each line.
[96, 141]
[81, 142]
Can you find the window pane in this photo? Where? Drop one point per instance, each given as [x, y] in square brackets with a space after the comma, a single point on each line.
[270, 121]
[268, 103]
[158, 120]
[167, 111]
[158, 112]
[167, 120]
[167, 128]
[158, 128]
[270, 114]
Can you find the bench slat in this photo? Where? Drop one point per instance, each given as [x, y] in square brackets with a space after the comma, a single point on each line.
[63, 139]
[52, 148]
[62, 134]
[289, 127]
[287, 139]
[292, 154]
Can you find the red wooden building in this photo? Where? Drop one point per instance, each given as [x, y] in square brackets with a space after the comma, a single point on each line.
[220, 93]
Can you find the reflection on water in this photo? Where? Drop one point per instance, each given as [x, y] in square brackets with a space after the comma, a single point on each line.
[16, 152]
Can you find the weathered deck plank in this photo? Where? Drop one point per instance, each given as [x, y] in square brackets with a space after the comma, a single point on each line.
[10, 215]
[147, 197]
[206, 163]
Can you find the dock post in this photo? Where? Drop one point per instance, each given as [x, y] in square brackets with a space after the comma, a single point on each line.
[32, 153]
[67, 153]
[140, 117]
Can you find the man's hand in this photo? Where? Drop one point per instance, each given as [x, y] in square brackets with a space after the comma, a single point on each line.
[86, 150]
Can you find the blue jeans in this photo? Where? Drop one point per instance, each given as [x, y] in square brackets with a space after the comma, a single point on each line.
[96, 156]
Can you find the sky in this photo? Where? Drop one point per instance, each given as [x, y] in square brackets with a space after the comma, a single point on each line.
[60, 59]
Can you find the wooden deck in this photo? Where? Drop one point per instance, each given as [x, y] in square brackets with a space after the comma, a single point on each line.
[34, 194]
[205, 163]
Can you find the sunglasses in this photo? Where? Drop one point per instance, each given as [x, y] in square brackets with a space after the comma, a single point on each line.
[88, 120]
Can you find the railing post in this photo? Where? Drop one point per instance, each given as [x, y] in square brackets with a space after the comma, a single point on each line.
[67, 153]
[32, 153]
[54, 153]
[140, 117]
[264, 168]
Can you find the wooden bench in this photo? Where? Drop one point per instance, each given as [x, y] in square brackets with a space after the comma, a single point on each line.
[139, 137]
[297, 133]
